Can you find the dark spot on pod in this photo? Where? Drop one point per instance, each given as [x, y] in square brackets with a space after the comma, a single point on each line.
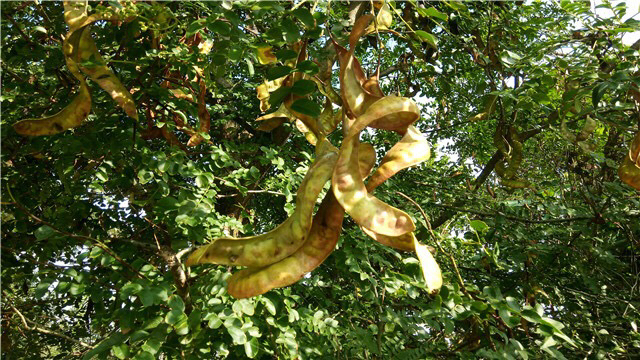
[233, 258]
[58, 127]
[105, 76]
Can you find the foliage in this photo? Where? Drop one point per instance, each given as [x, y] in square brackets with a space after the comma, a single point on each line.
[531, 108]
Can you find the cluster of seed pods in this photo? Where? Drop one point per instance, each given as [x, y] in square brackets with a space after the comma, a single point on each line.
[284, 255]
[82, 57]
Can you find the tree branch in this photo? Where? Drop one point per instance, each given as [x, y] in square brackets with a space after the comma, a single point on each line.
[97, 242]
[37, 327]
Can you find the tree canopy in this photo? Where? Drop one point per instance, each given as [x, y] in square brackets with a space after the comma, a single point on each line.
[320, 180]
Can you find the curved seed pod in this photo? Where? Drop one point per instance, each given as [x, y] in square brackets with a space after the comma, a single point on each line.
[634, 149]
[515, 161]
[327, 121]
[308, 134]
[384, 19]
[587, 129]
[270, 124]
[629, 170]
[265, 249]
[264, 92]
[203, 117]
[372, 85]
[366, 159]
[394, 111]
[180, 94]
[327, 90]
[364, 208]
[349, 188]
[322, 239]
[70, 45]
[403, 242]
[73, 115]
[282, 113]
[430, 269]
[489, 105]
[76, 16]
[354, 97]
[100, 73]
[411, 150]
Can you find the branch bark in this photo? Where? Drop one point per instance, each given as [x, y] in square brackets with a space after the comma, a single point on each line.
[39, 328]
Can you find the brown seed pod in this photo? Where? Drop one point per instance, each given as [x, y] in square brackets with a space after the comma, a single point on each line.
[322, 239]
[265, 249]
[629, 170]
[100, 73]
[411, 150]
[73, 115]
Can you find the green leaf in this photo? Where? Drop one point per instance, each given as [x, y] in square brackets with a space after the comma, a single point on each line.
[195, 26]
[434, 13]
[214, 320]
[278, 96]
[428, 38]
[307, 107]
[291, 31]
[176, 303]
[286, 54]
[174, 316]
[251, 348]
[479, 226]
[120, 351]
[238, 336]
[43, 232]
[303, 87]
[531, 316]
[268, 304]
[598, 92]
[304, 15]
[308, 67]
[220, 27]
[278, 72]
[42, 288]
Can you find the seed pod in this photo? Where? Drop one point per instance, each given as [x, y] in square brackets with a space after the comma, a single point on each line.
[73, 115]
[365, 209]
[411, 150]
[629, 170]
[265, 249]
[204, 119]
[101, 74]
[430, 269]
[322, 239]
[403, 242]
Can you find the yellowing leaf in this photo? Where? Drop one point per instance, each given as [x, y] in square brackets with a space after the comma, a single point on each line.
[265, 56]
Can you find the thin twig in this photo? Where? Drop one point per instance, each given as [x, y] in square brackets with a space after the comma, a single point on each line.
[37, 327]
[97, 242]
[437, 242]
